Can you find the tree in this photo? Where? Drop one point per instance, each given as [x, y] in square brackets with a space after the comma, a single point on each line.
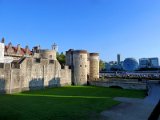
[61, 58]
[101, 65]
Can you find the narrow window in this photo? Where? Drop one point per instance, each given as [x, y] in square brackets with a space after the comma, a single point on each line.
[50, 56]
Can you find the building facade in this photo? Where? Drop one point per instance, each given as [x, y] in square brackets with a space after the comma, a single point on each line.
[149, 62]
[143, 62]
[154, 62]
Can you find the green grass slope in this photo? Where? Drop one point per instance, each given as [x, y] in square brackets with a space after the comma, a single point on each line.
[69, 103]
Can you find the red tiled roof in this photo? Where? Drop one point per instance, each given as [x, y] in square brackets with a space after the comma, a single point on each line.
[22, 52]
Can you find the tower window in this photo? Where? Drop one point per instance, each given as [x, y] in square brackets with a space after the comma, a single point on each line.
[37, 60]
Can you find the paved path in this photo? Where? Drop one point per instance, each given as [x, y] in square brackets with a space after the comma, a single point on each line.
[154, 94]
[133, 108]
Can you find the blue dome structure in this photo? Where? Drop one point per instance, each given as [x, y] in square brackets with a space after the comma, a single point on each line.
[130, 64]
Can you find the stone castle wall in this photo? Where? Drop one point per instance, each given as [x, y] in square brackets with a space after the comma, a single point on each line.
[32, 73]
[65, 76]
[122, 84]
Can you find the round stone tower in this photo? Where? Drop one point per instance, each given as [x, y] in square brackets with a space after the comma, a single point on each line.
[49, 54]
[94, 66]
[79, 67]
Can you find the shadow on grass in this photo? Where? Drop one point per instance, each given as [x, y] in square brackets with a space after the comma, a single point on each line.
[59, 96]
[87, 91]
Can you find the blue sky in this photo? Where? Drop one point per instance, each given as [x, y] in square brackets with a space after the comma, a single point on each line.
[128, 27]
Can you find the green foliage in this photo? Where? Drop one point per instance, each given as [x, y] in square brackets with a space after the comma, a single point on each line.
[65, 103]
[61, 58]
[101, 65]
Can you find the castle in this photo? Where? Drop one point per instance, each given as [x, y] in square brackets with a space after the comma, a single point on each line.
[23, 69]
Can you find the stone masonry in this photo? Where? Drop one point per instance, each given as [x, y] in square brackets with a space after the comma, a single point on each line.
[32, 73]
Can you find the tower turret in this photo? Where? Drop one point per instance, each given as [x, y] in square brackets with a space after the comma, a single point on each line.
[55, 47]
[48, 54]
[94, 66]
[79, 67]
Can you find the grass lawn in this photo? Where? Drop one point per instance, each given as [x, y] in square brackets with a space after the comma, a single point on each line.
[69, 103]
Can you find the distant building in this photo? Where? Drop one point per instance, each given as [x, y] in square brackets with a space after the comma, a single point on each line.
[154, 63]
[108, 66]
[113, 65]
[118, 58]
[143, 63]
[149, 62]
[130, 64]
